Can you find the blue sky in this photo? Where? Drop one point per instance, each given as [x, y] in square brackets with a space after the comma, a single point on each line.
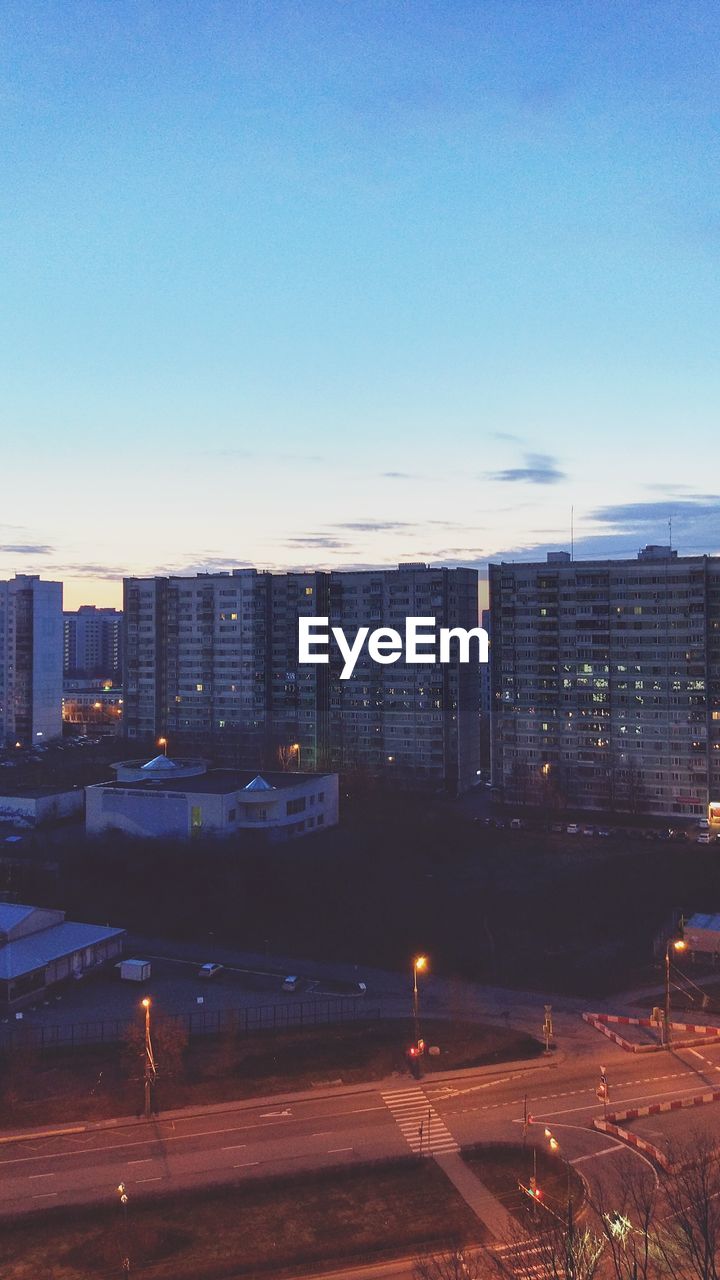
[347, 283]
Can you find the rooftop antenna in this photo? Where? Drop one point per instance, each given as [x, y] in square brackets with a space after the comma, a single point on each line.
[572, 533]
[670, 529]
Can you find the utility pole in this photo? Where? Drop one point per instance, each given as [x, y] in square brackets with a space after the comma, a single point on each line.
[150, 1072]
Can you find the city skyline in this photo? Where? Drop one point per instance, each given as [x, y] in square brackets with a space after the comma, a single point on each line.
[339, 288]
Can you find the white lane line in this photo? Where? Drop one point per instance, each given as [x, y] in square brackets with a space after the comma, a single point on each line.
[248, 1164]
[141, 1180]
[322, 1134]
[44, 1195]
[41, 1175]
[595, 1155]
[239, 1146]
[143, 1160]
[334, 1150]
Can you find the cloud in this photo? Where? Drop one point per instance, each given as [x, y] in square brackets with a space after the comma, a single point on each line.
[374, 526]
[317, 540]
[640, 514]
[540, 468]
[110, 572]
[27, 549]
[507, 435]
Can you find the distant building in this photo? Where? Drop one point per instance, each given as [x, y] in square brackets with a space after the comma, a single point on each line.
[183, 798]
[39, 948]
[606, 682]
[92, 707]
[93, 644]
[31, 660]
[212, 665]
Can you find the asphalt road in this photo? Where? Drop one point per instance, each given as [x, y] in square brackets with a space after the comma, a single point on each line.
[346, 1125]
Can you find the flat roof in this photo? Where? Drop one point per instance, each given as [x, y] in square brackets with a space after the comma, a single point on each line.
[32, 952]
[35, 793]
[218, 782]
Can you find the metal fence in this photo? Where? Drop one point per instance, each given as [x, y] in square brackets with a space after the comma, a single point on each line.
[199, 1022]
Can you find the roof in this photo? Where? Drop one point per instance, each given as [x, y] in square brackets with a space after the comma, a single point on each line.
[160, 764]
[259, 784]
[38, 949]
[11, 913]
[701, 921]
[219, 782]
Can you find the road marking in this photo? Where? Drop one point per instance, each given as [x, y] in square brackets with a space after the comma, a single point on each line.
[41, 1175]
[48, 1133]
[239, 1146]
[333, 1150]
[144, 1160]
[267, 1115]
[322, 1134]
[248, 1165]
[595, 1155]
[141, 1180]
[419, 1123]
[44, 1195]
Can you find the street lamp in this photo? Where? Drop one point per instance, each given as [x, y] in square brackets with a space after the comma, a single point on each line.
[296, 749]
[162, 742]
[420, 964]
[677, 944]
[150, 1071]
[124, 1204]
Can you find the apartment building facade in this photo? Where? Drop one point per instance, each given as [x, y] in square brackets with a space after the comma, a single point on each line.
[606, 682]
[212, 663]
[93, 644]
[31, 660]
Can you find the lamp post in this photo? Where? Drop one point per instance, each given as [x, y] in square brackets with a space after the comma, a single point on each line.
[570, 1272]
[123, 1205]
[676, 944]
[420, 965]
[162, 742]
[150, 1071]
[296, 749]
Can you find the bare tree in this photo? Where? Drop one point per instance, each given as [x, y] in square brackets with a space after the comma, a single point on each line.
[558, 1251]
[455, 1264]
[628, 1224]
[687, 1237]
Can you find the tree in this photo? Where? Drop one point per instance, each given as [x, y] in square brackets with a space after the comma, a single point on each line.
[558, 1251]
[456, 1264]
[688, 1238]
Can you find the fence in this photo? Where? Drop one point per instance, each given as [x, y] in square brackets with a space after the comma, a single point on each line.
[199, 1022]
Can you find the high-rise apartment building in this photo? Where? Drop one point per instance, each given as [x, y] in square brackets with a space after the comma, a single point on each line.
[212, 662]
[606, 682]
[93, 643]
[31, 660]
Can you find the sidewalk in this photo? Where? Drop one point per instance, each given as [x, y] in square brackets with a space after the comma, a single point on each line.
[483, 1203]
[501, 1070]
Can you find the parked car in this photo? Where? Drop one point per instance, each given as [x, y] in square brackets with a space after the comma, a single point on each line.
[290, 983]
[572, 829]
[588, 831]
[210, 970]
[557, 828]
[516, 824]
[604, 833]
[704, 837]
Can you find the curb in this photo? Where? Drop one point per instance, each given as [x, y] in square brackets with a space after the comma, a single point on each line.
[693, 1034]
[610, 1124]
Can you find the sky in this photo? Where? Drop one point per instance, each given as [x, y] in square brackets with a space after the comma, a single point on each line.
[347, 283]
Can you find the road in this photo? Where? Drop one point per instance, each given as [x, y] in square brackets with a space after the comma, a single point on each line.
[347, 1125]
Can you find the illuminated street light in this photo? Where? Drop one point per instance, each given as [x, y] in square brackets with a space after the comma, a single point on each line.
[124, 1204]
[296, 749]
[677, 944]
[150, 1072]
[163, 742]
[420, 964]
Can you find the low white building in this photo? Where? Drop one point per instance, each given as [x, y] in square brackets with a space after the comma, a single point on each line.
[39, 948]
[30, 806]
[183, 798]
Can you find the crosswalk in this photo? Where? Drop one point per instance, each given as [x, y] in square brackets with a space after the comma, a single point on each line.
[526, 1258]
[419, 1122]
